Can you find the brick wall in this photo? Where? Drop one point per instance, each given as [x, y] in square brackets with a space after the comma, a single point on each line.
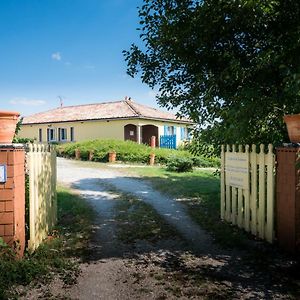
[288, 198]
[12, 197]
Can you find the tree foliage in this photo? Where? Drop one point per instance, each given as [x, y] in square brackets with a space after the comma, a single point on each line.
[232, 66]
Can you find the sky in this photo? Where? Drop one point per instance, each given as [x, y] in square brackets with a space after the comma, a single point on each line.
[68, 49]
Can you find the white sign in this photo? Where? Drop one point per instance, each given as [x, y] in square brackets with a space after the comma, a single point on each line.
[237, 170]
[3, 175]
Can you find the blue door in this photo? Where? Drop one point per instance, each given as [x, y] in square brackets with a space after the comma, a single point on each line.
[168, 141]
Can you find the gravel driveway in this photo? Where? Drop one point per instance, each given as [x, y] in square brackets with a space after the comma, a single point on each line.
[187, 266]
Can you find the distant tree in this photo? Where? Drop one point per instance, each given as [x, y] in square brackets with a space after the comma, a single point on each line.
[233, 66]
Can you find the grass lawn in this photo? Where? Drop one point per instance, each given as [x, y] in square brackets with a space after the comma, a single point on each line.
[57, 256]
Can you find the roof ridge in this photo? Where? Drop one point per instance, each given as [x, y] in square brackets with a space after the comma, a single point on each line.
[69, 106]
[129, 103]
[89, 104]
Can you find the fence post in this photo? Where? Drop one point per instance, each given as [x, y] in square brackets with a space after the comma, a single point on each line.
[12, 196]
[288, 198]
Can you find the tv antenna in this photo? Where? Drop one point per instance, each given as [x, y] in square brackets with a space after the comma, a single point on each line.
[61, 100]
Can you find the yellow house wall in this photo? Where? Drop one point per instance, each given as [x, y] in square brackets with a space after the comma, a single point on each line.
[89, 130]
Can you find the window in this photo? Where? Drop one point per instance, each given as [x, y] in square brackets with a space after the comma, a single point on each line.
[62, 134]
[72, 134]
[170, 130]
[40, 135]
[184, 133]
[51, 135]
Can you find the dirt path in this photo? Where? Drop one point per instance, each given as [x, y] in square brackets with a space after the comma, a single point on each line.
[185, 266]
[111, 278]
[90, 181]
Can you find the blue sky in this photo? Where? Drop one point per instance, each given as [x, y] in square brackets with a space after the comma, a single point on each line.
[67, 48]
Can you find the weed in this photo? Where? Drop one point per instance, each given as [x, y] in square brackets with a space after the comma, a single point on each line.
[55, 256]
[200, 192]
[139, 221]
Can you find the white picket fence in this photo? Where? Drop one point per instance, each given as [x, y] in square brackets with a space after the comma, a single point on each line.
[247, 189]
[41, 165]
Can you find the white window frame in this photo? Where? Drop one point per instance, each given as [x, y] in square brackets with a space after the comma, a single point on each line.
[186, 133]
[61, 130]
[49, 135]
[171, 130]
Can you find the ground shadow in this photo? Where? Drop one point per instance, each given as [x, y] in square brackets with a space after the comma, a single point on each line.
[234, 272]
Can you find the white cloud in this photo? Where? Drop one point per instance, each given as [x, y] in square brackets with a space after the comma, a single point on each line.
[27, 102]
[56, 56]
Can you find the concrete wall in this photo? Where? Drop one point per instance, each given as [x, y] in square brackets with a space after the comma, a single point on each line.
[89, 130]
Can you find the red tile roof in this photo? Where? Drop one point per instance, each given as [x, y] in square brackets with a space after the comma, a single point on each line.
[100, 111]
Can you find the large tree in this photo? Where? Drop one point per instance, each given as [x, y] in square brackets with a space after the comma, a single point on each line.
[233, 66]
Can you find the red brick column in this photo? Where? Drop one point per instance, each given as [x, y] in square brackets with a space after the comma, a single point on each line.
[12, 197]
[288, 198]
[153, 141]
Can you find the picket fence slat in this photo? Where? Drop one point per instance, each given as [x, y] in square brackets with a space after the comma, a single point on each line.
[270, 194]
[247, 201]
[228, 197]
[233, 197]
[222, 183]
[250, 207]
[253, 205]
[261, 188]
[41, 164]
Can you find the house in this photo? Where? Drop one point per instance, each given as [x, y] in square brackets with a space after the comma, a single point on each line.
[123, 120]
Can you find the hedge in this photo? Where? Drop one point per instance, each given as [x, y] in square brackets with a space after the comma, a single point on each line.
[128, 151]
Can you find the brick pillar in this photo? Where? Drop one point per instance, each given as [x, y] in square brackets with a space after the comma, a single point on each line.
[12, 197]
[153, 142]
[288, 198]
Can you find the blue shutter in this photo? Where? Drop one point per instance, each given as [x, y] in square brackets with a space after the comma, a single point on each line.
[165, 130]
[175, 130]
[181, 133]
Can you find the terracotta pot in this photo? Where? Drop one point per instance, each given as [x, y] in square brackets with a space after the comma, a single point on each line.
[293, 127]
[112, 156]
[8, 123]
[152, 159]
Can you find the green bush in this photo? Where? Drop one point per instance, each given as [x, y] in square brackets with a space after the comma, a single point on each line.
[128, 151]
[180, 164]
[19, 140]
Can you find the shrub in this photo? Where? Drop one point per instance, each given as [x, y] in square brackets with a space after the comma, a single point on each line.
[128, 151]
[20, 140]
[180, 164]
